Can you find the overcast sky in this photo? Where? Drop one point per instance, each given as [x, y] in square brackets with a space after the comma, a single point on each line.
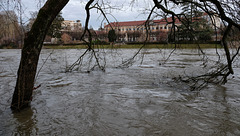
[75, 10]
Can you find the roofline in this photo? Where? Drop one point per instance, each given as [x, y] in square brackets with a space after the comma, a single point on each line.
[141, 22]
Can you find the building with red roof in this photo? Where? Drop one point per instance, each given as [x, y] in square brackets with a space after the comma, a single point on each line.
[135, 31]
[153, 25]
[153, 30]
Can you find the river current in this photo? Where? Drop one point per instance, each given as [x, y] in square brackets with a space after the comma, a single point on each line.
[139, 100]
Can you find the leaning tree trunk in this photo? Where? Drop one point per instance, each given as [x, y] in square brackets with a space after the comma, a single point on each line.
[30, 53]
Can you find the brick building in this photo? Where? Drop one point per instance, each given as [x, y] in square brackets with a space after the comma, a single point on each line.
[70, 25]
[136, 31]
[158, 30]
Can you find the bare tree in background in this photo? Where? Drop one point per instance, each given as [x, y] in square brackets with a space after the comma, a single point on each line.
[10, 30]
[17, 7]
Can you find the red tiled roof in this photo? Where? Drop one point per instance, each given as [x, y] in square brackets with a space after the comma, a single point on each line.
[138, 23]
[128, 23]
[164, 21]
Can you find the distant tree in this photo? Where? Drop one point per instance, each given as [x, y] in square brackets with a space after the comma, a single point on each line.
[198, 30]
[76, 35]
[162, 36]
[190, 10]
[112, 36]
[102, 35]
[203, 31]
[54, 30]
[192, 22]
[9, 27]
[66, 38]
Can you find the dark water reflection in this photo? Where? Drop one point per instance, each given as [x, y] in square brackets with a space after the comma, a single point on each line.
[140, 100]
[26, 122]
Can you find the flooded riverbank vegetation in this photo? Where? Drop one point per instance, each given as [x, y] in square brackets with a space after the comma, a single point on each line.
[136, 46]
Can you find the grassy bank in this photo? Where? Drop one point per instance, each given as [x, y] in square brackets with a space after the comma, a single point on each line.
[136, 46]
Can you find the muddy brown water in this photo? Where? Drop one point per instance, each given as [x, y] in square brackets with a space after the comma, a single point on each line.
[141, 100]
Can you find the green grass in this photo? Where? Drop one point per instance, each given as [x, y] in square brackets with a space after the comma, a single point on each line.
[136, 46]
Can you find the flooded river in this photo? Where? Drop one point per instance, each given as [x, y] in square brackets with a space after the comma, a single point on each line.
[141, 100]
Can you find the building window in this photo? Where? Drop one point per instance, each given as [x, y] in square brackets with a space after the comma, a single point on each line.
[165, 27]
[157, 27]
[129, 29]
[160, 27]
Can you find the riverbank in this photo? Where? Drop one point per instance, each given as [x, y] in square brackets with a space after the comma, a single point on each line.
[135, 46]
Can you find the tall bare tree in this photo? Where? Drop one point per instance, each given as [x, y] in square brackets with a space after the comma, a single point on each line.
[30, 53]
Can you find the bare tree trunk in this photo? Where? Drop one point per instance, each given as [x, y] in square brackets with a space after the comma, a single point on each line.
[30, 53]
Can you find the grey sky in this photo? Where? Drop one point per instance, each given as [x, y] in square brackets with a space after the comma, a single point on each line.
[75, 10]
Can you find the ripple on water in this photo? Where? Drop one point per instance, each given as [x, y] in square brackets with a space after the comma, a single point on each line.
[139, 100]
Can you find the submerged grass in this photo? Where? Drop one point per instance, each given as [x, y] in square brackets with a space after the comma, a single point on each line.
[136, 46]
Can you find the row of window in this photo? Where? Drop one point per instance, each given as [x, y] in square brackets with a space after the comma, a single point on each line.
[133, 39]
[137, 29]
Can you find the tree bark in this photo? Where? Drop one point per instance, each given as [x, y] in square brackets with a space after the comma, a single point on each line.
[30, 53]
